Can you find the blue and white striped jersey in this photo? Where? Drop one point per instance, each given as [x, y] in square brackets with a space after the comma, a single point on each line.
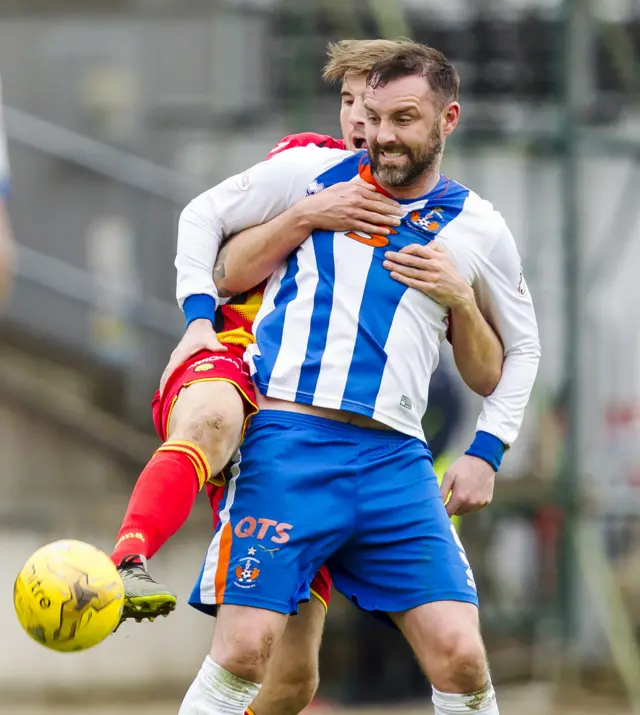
[335, 330]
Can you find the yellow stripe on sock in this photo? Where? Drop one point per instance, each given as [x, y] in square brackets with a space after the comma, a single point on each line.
[195, 455]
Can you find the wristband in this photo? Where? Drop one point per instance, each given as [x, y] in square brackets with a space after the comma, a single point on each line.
[197, 307]
[488, 447]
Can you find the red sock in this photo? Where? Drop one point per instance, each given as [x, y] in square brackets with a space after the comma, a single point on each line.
[162, 499]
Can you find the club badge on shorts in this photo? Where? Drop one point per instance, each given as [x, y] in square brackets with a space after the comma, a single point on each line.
[247, 570]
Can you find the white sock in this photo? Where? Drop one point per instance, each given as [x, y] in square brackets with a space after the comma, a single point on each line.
[216, 691]
[481, 703]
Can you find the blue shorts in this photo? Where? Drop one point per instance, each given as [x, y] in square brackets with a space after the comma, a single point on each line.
[306, 491]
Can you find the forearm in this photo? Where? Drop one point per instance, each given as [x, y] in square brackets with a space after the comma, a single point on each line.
[477, 350]
[502, 295]
[199, 238]
[503, 411]
[254, 254]
[252, 198]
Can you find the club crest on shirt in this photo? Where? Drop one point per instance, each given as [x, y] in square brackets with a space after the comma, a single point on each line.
[430, 221]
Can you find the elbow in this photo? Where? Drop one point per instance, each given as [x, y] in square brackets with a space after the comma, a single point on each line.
[488, 381]
[524, 357]
[487, 388]
[488, 378]
[235, 275]
[529, 350]
[537, 350]
[228, 280]
[228, 287]
[482, 380]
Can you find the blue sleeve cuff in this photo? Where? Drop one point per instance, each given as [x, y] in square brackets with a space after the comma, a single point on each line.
[5, 188]
[488, 447]
[196, 307]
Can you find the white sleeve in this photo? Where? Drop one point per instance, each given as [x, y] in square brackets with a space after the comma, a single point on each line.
[4, 155]
[248, 199]
[504, 299]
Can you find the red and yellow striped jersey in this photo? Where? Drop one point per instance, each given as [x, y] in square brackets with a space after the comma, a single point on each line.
[234, 320]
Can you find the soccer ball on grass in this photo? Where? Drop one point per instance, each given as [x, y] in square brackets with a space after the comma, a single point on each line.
[69, 596]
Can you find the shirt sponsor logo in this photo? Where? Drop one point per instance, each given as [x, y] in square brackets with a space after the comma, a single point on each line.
[375, 240]
[262, 528]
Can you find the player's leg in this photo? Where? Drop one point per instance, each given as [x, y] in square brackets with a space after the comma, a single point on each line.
[244, 641]
[286, 664]
[445, 637]
[407, 560]
[201, 417]
[274, 533]
[293, 675]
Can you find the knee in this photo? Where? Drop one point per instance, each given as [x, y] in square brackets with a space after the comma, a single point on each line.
[245, 654]
[210, 418]
[297, 688]
[461, 661]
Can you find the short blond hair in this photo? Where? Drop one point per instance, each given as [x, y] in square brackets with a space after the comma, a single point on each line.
[357, 56]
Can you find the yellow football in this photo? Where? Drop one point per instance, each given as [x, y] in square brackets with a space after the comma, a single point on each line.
[69, 596]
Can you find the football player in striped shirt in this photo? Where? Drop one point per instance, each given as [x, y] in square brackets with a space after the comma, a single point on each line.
[335, 466]
[201, 425]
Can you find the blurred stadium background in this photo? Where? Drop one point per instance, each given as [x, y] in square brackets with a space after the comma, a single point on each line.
[118, 112]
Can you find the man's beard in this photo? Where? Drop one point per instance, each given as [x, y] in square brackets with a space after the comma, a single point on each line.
[421, 160]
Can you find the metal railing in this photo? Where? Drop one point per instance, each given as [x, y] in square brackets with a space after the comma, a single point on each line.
[107, 161]
[111, 163]
[79, 284]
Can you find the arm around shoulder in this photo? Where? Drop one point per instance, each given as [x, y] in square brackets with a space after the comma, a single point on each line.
[247, 199]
